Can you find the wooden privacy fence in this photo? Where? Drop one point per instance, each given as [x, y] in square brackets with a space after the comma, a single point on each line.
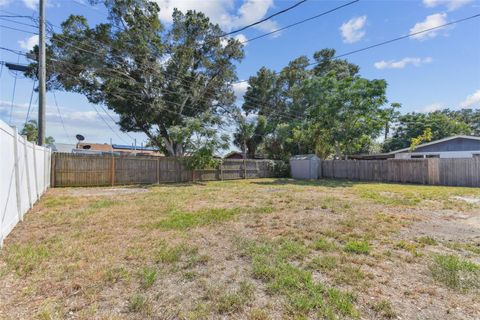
[69, 170]
[449, 172]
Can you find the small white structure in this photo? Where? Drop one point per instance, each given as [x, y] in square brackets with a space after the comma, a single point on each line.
[305, 166]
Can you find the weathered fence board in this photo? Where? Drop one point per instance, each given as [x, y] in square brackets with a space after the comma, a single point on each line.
[100, 170]
[450, 172]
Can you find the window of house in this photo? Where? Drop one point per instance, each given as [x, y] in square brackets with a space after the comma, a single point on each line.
[433, 156]
[417, 156]
[476, 155]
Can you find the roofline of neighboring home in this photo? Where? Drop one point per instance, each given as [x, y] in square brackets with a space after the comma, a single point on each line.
[437, 141]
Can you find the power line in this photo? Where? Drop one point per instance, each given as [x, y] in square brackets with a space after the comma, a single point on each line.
[366, 48]
[111, 118]
[300, 22]
[386, 42]
[264, 19]
[16, 29]
[60, 115]
[30, 103]
[13, 95]
[103, 119]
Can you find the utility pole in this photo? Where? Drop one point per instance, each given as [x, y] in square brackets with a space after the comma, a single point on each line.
[41, 75]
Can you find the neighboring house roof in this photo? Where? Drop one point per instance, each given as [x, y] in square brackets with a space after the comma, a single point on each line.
[95, 146]
[129, 147]
[437, 142]
[234, 155]
[374, 156]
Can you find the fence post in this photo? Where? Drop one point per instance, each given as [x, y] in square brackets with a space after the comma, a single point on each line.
[221, 169]
[52, 170]
[27, 172]
[45, 170]
[158, 170]
[17, 174]
[244, 168]
[35, 171]
[112, 173]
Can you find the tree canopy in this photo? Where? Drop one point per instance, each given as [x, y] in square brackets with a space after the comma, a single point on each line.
[328, 110]
[173, 85]
[442, 124]
[30, 131]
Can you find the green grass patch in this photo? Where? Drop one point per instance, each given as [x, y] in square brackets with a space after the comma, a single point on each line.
[323, 263]
[139, 304]
[25, 258]
[180, 220]
[358, 247]
[231, 302]
[427, 240]
[59, 201]
[322, 244]
[455, 272]
[172, 254]
[473, 248]
[117, 274]
[384, 309]
[274, 263]
[148, 276]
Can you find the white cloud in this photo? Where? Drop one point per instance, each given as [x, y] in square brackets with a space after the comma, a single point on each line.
[239, 89]
[430, 21]
[433, 107]
[223, 12]
[472, 100]
[4, 2]
[400, 64]
[31, 4]
[450, 4]
[352, 30]
[28, 43]
[241, 37]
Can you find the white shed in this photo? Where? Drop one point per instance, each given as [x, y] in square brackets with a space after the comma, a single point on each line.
[304, 166]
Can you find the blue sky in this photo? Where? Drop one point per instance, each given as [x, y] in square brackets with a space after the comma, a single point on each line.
[425, 73]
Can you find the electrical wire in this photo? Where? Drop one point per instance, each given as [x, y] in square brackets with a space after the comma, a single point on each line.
[300, 22]
[60, 115]
[30, 103]
[382, 43]
[13, 95]
[264, 19]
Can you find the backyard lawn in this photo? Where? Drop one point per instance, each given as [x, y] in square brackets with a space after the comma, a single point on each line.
[246, 249]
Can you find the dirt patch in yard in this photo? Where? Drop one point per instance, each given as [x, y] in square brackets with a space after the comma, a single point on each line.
[252, 249]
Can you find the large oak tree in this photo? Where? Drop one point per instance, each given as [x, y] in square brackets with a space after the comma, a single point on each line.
[173, 85]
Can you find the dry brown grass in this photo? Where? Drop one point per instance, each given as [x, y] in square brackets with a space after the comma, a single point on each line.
[253, 249]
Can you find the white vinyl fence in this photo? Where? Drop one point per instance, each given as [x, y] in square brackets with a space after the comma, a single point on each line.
[24, 177]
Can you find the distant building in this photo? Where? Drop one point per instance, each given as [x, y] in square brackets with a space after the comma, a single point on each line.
[234, 155]
[118, 149]
[452, 147]
[239, 155]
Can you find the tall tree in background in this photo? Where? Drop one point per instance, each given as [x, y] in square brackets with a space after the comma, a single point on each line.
[328, 110]
[249, 134]
[30, 131]
[171, 85]
[345, 112]
[411, 125]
